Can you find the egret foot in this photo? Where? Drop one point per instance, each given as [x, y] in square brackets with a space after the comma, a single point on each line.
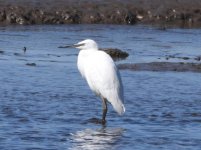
[103, 122]
[97, 121]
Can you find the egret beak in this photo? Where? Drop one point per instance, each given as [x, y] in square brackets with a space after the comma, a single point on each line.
[78, 45]
[71, 46]
[67, 46]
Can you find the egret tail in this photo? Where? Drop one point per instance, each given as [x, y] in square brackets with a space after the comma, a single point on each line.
[118, 106]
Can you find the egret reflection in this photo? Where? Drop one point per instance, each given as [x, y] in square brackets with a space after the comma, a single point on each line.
[96, 139]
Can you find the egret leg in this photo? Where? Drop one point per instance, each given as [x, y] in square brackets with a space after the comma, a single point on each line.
[104, 101]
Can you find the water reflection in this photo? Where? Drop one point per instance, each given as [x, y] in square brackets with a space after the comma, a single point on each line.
[96, 139]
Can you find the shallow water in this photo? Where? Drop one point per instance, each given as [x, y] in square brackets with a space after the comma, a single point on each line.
[48, 106]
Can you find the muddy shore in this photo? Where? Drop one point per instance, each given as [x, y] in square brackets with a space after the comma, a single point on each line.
[162, 66]
[179, 13]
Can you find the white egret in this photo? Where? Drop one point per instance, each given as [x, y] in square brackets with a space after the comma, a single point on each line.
[102, 75]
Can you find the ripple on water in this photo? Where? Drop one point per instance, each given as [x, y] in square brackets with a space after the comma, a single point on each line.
[104, 138]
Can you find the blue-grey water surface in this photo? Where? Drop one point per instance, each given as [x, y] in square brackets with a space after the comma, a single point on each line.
[48, 106]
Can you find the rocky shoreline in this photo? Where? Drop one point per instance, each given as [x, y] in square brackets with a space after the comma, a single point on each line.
[180, 13]
[162, 66]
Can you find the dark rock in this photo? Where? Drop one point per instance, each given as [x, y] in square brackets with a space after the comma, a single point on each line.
[1, 52]
[186, 16]
[130, 18]
[75, 18]
[66, 16]
[48, 19]
[116, 53]
[36, 16]
[2, 15]
[20, 20]
[31, 64]
[11, 18]
[185, 58]
[197, 11]
[91, 17]
[17, 54]
[177, 57]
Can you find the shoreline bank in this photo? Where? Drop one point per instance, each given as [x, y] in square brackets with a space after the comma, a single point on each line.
[180, 13]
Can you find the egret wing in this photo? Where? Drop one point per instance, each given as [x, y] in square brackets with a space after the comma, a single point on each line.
[104, 79]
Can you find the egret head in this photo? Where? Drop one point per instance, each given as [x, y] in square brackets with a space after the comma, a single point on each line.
[87, 44]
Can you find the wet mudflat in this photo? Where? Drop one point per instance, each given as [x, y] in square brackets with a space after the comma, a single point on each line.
[45, 104]
[163, 66]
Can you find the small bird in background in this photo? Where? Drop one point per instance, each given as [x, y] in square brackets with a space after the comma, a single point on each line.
[24, 49]
[102, 76]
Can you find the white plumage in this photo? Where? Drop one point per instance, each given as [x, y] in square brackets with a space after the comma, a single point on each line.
[101, 74]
